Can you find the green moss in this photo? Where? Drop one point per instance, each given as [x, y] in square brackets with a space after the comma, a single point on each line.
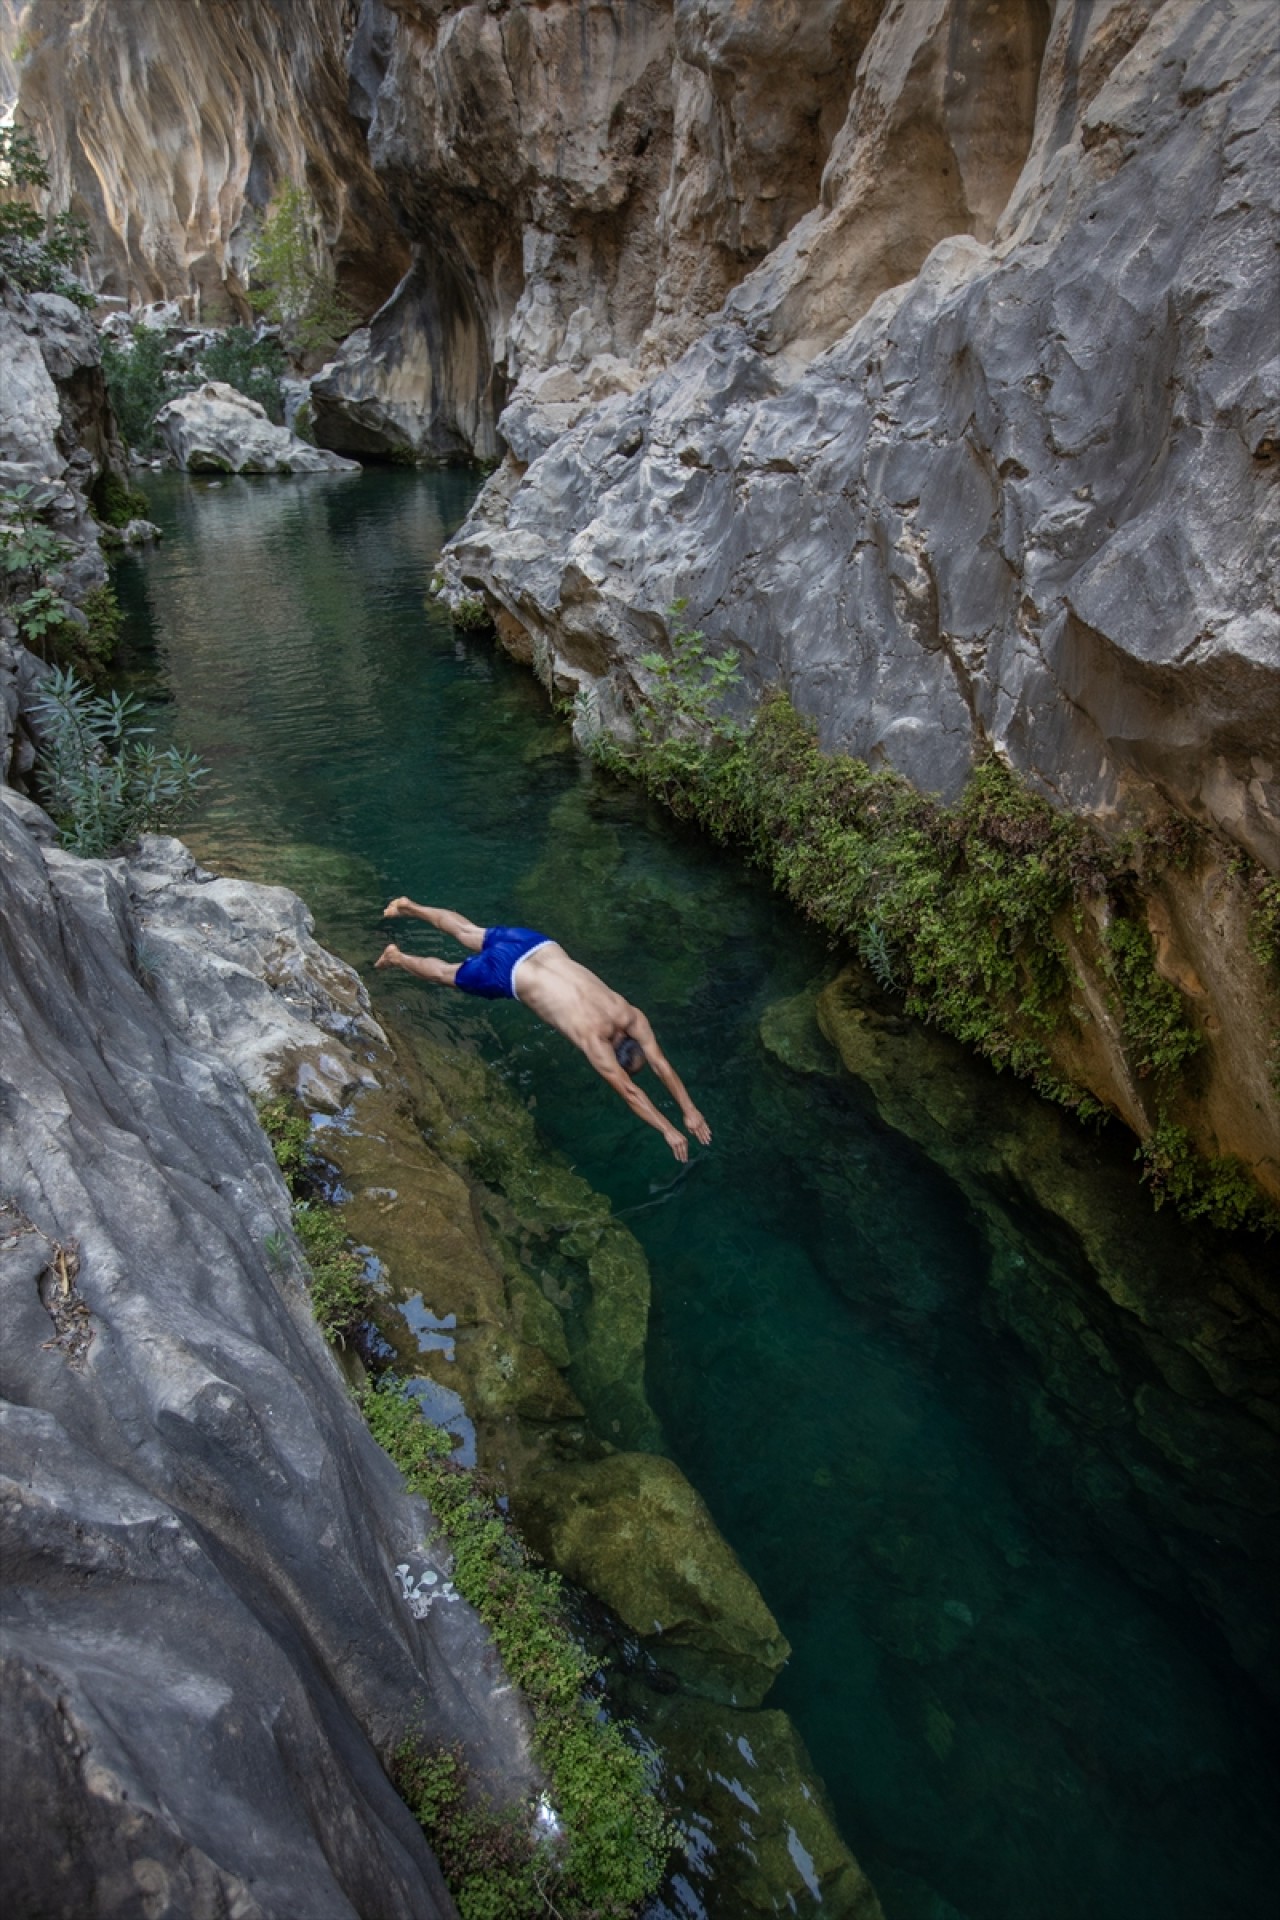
[615, 1837]
[116, 504]
[339, 1297]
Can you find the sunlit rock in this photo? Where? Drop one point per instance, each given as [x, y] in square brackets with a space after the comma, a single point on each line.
[217, 430]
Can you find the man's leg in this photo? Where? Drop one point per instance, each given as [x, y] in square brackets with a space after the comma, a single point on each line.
[456, 925]
[439, 972]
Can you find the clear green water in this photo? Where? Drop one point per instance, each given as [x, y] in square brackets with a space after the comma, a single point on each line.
[945, 1456]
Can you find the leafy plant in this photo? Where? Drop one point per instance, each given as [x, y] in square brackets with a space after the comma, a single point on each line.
[40, 253]
[115, 503]
[137, 384]
[1156, 1030]
[470, 614]
[1219, 1190]
[103, 781]
[41, 617]
[251, 365]
[294, 287]
[27, 546]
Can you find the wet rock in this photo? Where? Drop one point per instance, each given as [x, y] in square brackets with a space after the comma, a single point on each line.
[748, 1778]
[207, 1649]
[790, 1031]
[217, 430]
[632, 1530]
[1158, 1417]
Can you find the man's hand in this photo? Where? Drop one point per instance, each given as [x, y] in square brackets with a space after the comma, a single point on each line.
[697, 1127]
[396, 907]
[677, 1143]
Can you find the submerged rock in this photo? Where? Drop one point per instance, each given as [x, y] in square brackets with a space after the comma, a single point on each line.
[632, 1530]
[1149, 1403]
[217, 430]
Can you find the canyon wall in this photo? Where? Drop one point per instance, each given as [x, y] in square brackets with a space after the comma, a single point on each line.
[926, 350]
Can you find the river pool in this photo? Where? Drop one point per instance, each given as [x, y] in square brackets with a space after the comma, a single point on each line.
[1010, 1518]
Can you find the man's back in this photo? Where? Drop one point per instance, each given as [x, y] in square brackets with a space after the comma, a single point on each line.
[572, 999]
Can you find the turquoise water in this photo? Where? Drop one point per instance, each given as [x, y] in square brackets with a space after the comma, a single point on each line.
[1017, 1539]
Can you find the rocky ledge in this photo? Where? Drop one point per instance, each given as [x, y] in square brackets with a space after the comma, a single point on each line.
[208, 1646]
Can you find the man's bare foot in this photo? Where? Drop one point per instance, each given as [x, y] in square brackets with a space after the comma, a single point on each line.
[396, 907]
[389, 957]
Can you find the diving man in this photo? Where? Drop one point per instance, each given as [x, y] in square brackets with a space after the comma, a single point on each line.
[615, 1036]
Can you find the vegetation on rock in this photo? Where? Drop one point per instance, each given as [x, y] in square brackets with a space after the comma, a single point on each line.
[32, 559]
[614, 1839]
[100, 778]
[604, 1853]
[963, 909]
[39, 252]
[293, 285]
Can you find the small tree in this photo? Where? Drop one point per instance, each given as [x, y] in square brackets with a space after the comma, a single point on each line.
[295, 289]
[39, 252]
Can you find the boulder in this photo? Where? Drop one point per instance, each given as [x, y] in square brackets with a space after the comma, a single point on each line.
[217, 430]
[632, 1530]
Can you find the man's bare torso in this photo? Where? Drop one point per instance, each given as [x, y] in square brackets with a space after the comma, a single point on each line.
[572, 999]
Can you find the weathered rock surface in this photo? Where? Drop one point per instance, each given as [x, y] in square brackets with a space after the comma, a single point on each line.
[208, 1648]
[215, 429]
[208, 111]
[57, 434]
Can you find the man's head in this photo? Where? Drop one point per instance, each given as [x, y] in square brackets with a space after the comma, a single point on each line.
[629, 1054]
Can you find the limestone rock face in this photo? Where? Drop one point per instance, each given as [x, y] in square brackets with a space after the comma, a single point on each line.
[169, 129]
[1008, 480]
[215, 429]
[207, 1645]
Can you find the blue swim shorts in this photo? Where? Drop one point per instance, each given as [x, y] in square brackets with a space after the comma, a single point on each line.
[491, 972]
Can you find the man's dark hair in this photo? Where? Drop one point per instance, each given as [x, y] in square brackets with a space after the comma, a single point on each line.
[630, 1054]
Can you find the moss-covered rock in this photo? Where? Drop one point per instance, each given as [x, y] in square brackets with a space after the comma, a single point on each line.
[632, 1530]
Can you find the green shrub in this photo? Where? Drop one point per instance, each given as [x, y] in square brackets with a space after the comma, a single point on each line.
[253, 367]
[1157, 1035]
[292, 283]
[471, 614]
[101, 779]
[1219, 1191]
[136, 384]
[116, 504]
[29, 550]
[39, 253]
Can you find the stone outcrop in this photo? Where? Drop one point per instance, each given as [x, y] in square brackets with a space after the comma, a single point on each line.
[209, 1644]
[57, 434]
[1157, 1393]
[215, 429]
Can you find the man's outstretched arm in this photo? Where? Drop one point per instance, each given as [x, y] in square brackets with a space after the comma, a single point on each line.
[640, 1103]
[670, 1079]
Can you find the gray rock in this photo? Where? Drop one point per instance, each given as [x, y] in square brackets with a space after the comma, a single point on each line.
[1025, 500]
[215, 429]
[213, 1627]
